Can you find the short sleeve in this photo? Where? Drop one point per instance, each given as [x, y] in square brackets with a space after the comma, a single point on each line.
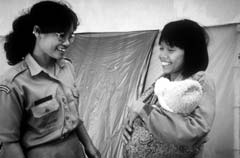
[10, 114]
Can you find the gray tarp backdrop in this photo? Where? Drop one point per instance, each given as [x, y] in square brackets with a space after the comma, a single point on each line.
[113, 68]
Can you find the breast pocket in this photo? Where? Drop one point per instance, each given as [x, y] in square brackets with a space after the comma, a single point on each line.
[44, 106]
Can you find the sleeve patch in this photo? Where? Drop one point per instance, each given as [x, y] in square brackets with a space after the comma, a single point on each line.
[4, 89]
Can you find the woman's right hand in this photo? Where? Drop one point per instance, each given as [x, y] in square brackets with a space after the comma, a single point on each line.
[128, 129]
[127, 132]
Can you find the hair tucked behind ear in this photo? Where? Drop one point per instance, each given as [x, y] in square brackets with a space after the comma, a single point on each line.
[20, 41]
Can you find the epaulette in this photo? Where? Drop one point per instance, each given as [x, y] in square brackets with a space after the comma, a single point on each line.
[14, 71]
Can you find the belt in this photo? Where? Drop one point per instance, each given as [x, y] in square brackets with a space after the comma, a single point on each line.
[60, 139]
[68, 145]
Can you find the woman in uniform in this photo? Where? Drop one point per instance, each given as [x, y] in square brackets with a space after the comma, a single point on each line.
[39, 115]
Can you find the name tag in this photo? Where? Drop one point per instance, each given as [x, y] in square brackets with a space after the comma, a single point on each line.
[44, 106]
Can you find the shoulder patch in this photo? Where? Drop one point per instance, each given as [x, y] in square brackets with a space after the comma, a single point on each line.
[5, 89]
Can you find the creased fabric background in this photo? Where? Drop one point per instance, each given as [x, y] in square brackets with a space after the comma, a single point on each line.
[112, 67]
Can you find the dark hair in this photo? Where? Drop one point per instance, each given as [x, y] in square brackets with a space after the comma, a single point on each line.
[193, 39]
[49, 16]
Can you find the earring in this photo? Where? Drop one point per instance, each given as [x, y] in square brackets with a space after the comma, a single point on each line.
[34, 33]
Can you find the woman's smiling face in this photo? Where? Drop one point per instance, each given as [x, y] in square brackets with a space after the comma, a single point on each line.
[54, 45]
[172, 59]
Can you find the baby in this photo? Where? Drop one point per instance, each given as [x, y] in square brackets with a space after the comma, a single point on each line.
[178, 96]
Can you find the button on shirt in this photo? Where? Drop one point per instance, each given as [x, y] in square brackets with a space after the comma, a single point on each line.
[41, 105]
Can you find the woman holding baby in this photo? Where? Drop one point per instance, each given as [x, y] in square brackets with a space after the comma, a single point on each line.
[173, 117]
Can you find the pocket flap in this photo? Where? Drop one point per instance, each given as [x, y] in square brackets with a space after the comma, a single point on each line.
[45, 108]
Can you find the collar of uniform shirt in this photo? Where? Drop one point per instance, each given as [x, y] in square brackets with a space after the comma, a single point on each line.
[35, 68]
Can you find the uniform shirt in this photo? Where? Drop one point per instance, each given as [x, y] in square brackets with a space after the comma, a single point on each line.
[36, 106]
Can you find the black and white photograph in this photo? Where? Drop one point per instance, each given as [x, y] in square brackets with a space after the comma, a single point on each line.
[119, 79]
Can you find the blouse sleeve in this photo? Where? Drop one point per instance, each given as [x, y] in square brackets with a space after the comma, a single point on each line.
[10, 114]
[182, 129]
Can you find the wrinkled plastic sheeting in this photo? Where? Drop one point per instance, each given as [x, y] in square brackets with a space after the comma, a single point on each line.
[111, 71]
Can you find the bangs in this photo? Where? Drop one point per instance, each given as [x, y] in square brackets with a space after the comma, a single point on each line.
[54, 18]
[173, 36]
